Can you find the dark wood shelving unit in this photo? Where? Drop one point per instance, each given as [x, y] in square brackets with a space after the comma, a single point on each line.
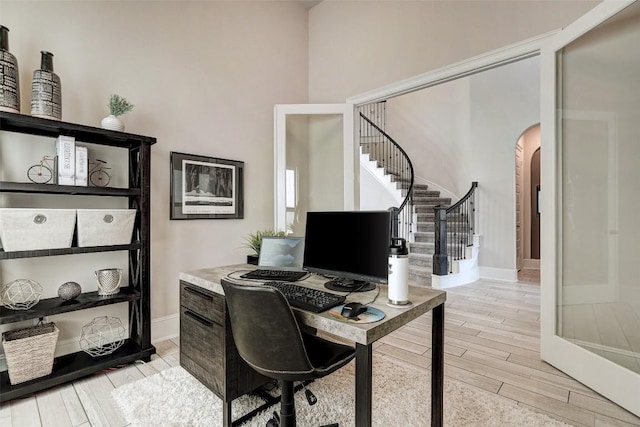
[68, 251]
[51, 306]
[28, 187]
[138, 346]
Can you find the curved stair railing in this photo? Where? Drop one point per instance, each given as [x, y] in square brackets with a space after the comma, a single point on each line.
[390, 156]
[454, 230]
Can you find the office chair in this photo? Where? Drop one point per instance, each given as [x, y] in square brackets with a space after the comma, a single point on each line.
[269, 339]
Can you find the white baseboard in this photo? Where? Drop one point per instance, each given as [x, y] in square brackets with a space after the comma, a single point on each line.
[465, 271]
[165, 328]
[501, 274]
[452, 280]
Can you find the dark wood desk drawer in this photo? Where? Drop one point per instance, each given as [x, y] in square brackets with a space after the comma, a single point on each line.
[202, 339]
[202, 302]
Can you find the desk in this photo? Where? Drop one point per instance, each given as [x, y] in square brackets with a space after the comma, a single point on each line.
[363, 335]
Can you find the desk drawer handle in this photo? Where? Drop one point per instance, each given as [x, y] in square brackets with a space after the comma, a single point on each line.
[199, 293]
[198, 318]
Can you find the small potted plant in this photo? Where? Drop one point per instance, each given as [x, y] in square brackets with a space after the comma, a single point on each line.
[117, 107]
[254, 240]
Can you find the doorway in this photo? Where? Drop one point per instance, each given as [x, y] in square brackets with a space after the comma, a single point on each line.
[527, 167]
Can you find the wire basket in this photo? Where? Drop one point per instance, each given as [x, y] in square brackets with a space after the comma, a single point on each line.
[21, 294]
[102, 336]
[30, 351]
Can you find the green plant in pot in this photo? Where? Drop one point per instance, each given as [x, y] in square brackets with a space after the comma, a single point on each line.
[254, 241]
[117, 107]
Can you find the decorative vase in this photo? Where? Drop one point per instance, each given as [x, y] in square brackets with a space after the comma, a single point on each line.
[112, 122]
[46, 96]
[9, 76]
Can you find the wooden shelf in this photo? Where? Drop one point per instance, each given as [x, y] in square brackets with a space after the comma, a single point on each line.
[22, 123]
[73, 366]
[28, 187]
[68, 251]
[77, 365]
[51, 306]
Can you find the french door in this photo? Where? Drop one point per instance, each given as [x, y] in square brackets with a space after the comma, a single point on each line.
[314, 155]
[590, 122]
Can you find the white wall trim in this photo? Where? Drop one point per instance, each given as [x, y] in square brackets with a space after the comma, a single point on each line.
[468, 272]
[501, 274]
[165, 328]
[496, 58]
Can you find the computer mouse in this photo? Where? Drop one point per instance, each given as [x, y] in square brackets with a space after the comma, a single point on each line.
[353, 309]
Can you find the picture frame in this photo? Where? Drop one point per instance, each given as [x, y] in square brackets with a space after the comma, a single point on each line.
[205, 187]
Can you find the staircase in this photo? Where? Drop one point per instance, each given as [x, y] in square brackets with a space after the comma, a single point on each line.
[413, 209]
[422, 248]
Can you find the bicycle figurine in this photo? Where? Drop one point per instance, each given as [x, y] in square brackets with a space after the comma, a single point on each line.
[42, 173]
[98, 175]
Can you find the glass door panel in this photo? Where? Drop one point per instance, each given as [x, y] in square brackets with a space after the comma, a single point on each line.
[599, 114]
[590, 311]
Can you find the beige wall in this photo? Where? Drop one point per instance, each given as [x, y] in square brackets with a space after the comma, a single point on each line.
[204, 77]
[356, 46]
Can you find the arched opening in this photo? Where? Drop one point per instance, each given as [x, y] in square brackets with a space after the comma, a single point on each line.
[527, 158]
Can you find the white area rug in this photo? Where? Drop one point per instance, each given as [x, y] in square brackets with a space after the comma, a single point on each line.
[401, 397]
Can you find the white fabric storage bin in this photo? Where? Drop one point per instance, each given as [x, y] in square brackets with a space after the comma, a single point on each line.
[33, 229]
[105, 227]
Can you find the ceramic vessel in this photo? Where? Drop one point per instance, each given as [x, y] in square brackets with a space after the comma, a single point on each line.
[9, 76]
[112, 122]
[46, 95]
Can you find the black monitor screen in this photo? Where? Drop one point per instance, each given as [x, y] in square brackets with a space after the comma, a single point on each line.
[352, 245]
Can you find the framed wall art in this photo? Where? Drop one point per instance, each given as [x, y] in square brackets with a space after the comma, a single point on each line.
[206, 187]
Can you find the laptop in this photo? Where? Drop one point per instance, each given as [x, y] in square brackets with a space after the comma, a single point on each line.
[280, 259]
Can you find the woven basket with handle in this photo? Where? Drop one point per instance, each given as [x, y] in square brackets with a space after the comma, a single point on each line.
[30, 351]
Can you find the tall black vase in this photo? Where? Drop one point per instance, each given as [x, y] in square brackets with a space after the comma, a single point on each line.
[9, 83]
[46, 96]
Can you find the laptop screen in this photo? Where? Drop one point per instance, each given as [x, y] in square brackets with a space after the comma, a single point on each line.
[281, 253]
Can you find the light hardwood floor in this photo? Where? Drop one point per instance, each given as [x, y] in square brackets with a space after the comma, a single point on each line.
[491, 342]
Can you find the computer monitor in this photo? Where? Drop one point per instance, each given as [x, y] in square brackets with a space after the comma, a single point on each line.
[352, 246]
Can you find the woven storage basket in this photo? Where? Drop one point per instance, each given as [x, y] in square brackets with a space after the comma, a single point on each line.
[30, 351]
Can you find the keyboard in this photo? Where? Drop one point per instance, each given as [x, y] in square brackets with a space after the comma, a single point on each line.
[277, 275]
[306, 298]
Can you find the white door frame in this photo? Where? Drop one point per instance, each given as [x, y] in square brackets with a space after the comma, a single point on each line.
[281, 111]
[607, 378]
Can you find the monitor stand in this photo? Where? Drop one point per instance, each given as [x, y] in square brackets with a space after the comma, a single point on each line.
[348, 285]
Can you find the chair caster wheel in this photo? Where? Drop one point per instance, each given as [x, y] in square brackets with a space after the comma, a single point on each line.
[274, 421]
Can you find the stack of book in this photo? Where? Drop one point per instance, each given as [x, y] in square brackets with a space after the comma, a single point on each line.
[72, 162]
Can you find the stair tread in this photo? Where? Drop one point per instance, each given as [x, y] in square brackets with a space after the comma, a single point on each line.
[422, 245]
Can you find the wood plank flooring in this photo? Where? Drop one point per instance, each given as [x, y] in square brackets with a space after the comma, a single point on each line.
[491, 342]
